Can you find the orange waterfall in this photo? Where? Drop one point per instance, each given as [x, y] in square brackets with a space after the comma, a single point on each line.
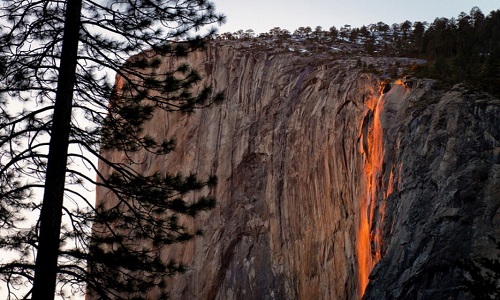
[369, 243]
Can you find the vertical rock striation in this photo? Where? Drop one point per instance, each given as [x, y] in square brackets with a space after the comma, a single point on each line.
[305, 159]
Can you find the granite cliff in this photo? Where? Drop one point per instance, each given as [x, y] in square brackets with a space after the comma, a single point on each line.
[331, 184]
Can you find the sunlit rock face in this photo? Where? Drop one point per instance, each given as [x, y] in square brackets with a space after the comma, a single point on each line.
[321, 177]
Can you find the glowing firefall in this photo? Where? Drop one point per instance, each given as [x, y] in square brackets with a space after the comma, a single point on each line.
[369, 241]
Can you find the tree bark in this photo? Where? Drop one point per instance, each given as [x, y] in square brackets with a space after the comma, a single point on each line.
[44, 285]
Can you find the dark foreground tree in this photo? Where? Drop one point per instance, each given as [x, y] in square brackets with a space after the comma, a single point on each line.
[58, 109]
[483, 280]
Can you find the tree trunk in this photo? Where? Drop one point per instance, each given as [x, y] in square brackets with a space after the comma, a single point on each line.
[44, 285]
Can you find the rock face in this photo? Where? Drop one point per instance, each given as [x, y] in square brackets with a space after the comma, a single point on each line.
[444, 149]
[320, 177]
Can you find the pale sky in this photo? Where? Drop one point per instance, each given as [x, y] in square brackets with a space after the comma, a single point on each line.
[262, 15]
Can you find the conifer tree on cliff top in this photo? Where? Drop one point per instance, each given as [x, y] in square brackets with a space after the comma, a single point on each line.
[54, 56]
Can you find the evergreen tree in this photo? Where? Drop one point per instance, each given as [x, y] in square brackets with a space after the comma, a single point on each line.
[54, 56]
[333, 32]
[405, 27]
[483, 281]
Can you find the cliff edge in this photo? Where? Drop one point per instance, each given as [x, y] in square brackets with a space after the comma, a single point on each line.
[326, 179]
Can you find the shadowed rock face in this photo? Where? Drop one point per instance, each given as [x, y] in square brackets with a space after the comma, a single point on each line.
[444, 210]
[290, 147]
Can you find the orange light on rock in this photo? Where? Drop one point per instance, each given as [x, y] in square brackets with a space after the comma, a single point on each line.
[369, 243]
